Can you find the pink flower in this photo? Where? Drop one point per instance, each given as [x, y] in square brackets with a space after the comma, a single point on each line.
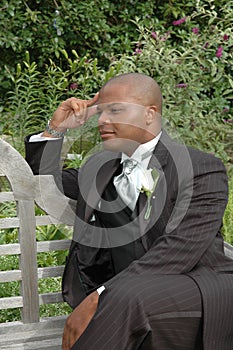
[219, 51]
[179, 21]
[195, 30]
[154, 35]
[181, 86]
[137, 51]
[225, 37]
[228, 120]
[206, 45]
[73, 86]
[165, 36]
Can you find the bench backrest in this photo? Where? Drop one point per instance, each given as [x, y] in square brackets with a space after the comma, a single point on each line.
[26, 190]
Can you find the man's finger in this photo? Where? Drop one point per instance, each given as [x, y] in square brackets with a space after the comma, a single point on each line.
[93, 100]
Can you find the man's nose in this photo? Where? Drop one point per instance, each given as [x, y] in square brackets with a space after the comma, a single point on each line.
[103, 118]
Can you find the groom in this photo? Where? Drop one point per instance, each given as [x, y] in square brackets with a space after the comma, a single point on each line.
[146, 267]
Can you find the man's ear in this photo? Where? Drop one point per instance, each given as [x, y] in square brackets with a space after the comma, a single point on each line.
[151, 114]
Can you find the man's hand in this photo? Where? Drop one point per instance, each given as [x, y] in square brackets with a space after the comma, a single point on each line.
[79, 319]
[72, 113]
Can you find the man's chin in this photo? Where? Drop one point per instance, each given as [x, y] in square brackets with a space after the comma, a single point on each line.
[112, 145]
[120, 145]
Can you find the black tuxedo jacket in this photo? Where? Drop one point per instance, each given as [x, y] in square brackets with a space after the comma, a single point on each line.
[182, 235]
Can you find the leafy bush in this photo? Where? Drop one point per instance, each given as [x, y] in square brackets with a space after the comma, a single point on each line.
[190, 61]
[99, 28]
[228, 216]
[195, 76]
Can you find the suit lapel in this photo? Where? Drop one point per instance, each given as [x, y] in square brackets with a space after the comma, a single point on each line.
[100, 180]
[158, 161]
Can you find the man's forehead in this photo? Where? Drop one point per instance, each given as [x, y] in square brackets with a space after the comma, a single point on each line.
[112, 104]
[117, 104]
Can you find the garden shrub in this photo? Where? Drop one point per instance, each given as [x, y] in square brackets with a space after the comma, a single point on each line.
[192, 63]
[99, 28]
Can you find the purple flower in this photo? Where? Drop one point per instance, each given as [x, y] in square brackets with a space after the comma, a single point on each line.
[73, 86]
[225, 110]
[137, 51]
[205, 45]
[165, 36]
[228, 120]
[181, 86]
[179, 21]
[219, 51]
[154, 35]
[225, 37]
[195, 30]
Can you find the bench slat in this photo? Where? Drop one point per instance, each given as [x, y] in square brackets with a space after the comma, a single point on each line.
[10, 276]
[52, 271]
[11, 302]
[43, 246]
[9, 223]
[6, 197]
[47, 334]
[47, 246]
[50, 298]
[10, 249]
[228, 248]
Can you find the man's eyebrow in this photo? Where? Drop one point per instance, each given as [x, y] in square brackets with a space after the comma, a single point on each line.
[107, 105]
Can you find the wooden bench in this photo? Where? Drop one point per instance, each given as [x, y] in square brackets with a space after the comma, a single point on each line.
[26, 189]
[33, 332]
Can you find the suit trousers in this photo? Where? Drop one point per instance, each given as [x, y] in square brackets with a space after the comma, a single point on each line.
[150, 312]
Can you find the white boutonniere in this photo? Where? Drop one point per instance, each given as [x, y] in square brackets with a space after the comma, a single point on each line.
[149, 182]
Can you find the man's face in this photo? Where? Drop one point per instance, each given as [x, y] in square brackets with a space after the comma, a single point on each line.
[122, 122]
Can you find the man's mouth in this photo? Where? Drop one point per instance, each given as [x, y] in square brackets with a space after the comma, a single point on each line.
[105, 134]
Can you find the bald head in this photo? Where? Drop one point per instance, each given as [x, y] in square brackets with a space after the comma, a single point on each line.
[142, 88]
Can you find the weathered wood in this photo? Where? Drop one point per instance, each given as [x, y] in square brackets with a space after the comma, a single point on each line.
[9, 223]
[11, 302]
[52, 201]
[6, 197]
[47, 334]
[52, 271]
[228, 248]
[10, 276]
[33, 333]
[44, 220]
[50, 298]
[28, 261]
[48, 246]
[10, 249]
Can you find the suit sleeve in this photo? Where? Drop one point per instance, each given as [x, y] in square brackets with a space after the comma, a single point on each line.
[44, 157]
[183, 243]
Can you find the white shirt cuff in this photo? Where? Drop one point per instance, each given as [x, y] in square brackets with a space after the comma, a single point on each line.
[38, 137]
[100, 290]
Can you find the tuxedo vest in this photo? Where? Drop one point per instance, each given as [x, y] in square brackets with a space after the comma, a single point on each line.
[120, 216]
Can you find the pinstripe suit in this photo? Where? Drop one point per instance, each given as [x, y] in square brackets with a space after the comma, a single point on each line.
[183, 281]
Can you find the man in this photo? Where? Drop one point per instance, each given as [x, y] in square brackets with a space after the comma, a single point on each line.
[146, 267]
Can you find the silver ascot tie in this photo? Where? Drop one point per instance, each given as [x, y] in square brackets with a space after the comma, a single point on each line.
[126, 185]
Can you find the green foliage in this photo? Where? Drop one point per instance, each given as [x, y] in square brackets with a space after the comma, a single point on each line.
[190, 59]
[196, 84]
[228, 217]
[100, 28]
[36, 95]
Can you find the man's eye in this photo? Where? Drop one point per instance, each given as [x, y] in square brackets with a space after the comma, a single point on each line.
[115, 110]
